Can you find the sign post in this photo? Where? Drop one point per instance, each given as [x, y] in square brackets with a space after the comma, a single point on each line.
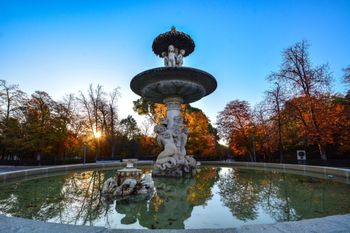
[301, 156]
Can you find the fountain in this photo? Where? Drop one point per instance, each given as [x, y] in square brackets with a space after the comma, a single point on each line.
[127, 181]
[173, 85]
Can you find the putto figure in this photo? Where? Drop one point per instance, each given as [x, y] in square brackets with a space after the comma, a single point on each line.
[173, 161]
[171, 56]
[179, 58]
[174, 57]
[166, 59]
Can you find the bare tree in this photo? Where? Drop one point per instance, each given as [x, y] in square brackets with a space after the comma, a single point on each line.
[276, 98]
[111, 122]
[91, 103]
[304, 80]
[347, 75]
[11, 98]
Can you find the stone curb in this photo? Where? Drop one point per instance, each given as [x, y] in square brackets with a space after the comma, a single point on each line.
[324, 171]
[13, 175]
[331, 224]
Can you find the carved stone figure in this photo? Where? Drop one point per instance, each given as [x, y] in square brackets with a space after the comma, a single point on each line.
[127, 181]
[129, 186]
[165, 139]
[171, 56]
[109, 185]
[179, 58]
[147, 184]
[172, 161]
[126, 188]
[166, 60]
[184, 136]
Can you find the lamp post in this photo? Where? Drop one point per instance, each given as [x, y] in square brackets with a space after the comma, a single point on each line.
[85, 148]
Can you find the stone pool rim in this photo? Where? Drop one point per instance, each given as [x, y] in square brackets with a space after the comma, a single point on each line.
[324, 171]
[337, 223]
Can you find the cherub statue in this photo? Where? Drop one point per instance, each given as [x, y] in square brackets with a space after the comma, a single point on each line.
[166, 60]
[176, 52]
[171, 56]
[179, 58]
[165, 139]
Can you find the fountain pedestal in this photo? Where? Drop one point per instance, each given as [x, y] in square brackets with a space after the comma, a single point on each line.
[128, 181]
[173, 85]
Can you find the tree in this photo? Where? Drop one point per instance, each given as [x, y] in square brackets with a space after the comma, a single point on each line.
[109, 114]
[236, 126]
[41, 128]
[129, 127]
[308, 82]
[11, 98]
[154, 112]
[265, 131]
[202, 138]
[100, 114]
[276, 98]
[347, 75]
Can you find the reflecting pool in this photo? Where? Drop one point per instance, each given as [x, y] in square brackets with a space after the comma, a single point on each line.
[216, 197]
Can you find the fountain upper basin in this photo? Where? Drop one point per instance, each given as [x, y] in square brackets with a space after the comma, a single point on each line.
[186, 83]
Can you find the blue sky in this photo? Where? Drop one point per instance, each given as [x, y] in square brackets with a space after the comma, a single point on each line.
[63, 46]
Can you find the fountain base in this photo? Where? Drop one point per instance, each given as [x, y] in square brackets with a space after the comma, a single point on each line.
[128, 181]
[175, 167]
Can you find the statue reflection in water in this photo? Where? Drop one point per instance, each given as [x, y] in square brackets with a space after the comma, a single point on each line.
[170, 205]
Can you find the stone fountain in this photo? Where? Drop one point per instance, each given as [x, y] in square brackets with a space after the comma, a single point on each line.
[127, 181]
[173, 85]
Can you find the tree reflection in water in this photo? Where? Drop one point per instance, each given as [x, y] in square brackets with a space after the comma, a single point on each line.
[284, 197]
[73, 198]
[250, 195]
[240, 193]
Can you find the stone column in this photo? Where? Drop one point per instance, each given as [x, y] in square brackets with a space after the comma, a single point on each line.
[173, 105]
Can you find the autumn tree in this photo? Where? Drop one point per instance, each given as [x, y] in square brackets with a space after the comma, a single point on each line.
[236, 126]
[45, 123]
[265, 131]
[202, 138]
[310, 83]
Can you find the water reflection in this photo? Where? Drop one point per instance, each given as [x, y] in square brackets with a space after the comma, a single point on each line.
[251, 196]
[283, 197]
[172, 203]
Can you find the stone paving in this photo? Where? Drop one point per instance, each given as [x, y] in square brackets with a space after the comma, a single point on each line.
[4, 168]
[332, 224]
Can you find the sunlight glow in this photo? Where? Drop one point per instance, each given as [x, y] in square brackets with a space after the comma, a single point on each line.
[97, 134]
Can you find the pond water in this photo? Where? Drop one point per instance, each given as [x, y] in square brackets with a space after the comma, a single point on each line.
[216, 197]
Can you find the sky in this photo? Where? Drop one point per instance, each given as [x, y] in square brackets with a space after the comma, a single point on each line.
[63, 46]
